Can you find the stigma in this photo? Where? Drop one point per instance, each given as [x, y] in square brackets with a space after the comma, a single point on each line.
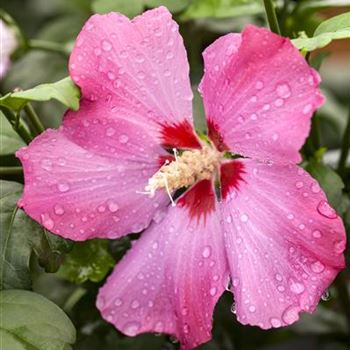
[188, 168]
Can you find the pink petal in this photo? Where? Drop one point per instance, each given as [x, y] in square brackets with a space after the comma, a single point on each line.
[81, 181]
[170, 280]
[284, 243]
[259, 95]
[140, 65]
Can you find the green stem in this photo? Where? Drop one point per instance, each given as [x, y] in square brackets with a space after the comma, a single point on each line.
[34, 119]
[11, 170]
[345, 148]
[17, 124]
[36, 44]
[271, 16]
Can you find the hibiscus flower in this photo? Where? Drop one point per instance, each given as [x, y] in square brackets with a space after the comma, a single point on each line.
[8, 44]
[248, 214]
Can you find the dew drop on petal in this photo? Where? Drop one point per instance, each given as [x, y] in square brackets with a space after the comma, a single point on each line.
[112, 206]
[252, 308]
[213, 291]
[244, 218]
[290, 315]
[297, 287]
[106, 45]
[206, 252]
[123, 138]
[131, 328]
[47, 222]
[233, 308]
[259, 85]
[326, 210]
[317, 267]
[63, 187]
[315, 188]
[58, 209]
[118, 302]
[316, 234]
[135, 304]
[283, 90]
[275, 322]
[110, 131]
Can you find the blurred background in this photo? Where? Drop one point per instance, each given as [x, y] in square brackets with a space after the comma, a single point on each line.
[75, 285]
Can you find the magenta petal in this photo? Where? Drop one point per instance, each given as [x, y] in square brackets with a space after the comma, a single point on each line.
[259, 94]
[140, 66]
[170, 280]
[82, 181]
[284, 244]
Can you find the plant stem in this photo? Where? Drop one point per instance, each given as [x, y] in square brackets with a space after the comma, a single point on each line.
[271, 16]
[17, 124]
[36, 44]
[34, 119]
[11, 170]
[345, 148]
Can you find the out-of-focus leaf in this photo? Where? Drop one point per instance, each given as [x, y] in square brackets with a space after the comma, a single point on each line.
[337, 27]
[64, 91]
[31, 322]
[314, 5]
[10, 141]
[132, 8]
[329, 180]
[222, 8]
[88, 260]
[20, 237]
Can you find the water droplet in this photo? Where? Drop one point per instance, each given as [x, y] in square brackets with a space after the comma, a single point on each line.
[230, 49]
[167, 73]
[213, 291]
[326, 210]
[112, 206]
[315, 187]
[135, 304]
[290, 216]
[46, 164]
[184, 311]
[47, 221]
[317, 233]
[290, 315]
[299, 184]
[131, 328]
[278, 277]
[118, 302]
[139, 58]
[244, 218]
[106, 45]
[326, 295]
[169, 55]
[123, 138]
[206, 252]
[279, 102]
[186, 328]
[307, 109]
[110, 131]
[252, 308]
[233, 308]
[229, 219]
[275, 322]
[58, 209]
[253, 116]
[111, 75]
[63, 187]
[317, 267]
[259, 85]
[296, 287]
[141, 74]
[283, 90]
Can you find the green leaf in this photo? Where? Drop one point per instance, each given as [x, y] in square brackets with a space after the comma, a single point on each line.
[132, 8]
[315, 5]
[88, 260]
[329, 180]
[64, 91]
[20, 237]
[337, 27]
[10, 141]
[222, 8]
[31, 322]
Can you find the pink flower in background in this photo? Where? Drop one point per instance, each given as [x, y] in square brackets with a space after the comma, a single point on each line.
[8, 44]
[271, 231]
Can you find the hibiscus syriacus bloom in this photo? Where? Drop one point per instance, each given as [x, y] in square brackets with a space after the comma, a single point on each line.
[8, 44]
[106, 172]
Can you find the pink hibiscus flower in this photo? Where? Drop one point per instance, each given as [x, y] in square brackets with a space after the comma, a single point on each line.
[269, 229]
[8, 43]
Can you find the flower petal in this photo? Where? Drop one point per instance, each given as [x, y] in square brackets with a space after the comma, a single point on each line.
[170, 280]
[81, 181]
[259, 95]
[141, 65]
[284, 244]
